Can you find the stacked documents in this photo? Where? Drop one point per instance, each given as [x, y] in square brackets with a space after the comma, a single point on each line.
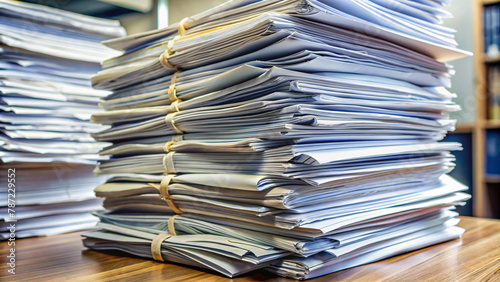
[47, 154]
[301, 136]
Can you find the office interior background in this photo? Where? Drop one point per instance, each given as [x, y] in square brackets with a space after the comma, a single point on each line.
[476, 81]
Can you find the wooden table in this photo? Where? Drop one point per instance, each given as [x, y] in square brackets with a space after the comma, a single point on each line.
[475, 257]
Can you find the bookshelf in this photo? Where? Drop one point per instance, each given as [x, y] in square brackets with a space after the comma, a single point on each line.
[486, 187]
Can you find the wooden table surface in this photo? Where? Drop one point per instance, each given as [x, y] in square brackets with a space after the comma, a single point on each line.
[474, 257]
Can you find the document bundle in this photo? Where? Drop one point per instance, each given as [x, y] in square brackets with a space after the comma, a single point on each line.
[296, 136]
[47, 154]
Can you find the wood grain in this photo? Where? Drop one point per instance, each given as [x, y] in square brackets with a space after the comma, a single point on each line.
[474, 257]
[480, 204]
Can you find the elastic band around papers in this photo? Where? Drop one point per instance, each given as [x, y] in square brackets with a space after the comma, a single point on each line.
[156, 246]
[173, 80]
[174, 106]
[166, 195]
[164, 185]
[181, 30]
[167, 146]
[164, 61]
[171, 204]
[172, 93]
[169, 119]
[168, 163]
[172, 89]
[182, 26]
[171, 227]
[170, 45]
[165, 55]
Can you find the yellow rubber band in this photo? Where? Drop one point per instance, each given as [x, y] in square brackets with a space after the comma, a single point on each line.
[182, 26]
[174, 106]
[170, 45]
[169, 120]
[164, 185]
[171, 227]
[167, 146]
[164, 61]
[172, 93]
[171, 205]
[156, 246]
[168, 163]
[172, 89]
[165, 182]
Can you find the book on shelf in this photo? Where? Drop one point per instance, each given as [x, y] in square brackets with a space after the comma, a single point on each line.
[493, 92]
[492, 153]
[491, 30]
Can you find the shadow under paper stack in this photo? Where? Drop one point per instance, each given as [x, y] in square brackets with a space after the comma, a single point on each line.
[296, 136]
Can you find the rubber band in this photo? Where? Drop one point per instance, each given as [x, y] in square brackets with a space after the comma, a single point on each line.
[169, 119]
[174, 106]
[173, 80]
[168, 163]
[172, 93]
[156, 246]
[164, 61]
[155, 185]
[166, 195]
[170, 45]
[164, 185]
[171, 205]
[181, 30]
[172, 89]
[165, 55]
[171, 227]
[167, 146]
[182, 26]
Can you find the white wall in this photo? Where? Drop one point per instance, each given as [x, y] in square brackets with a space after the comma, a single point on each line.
[463, 81]
[179, 9]
[137, 22]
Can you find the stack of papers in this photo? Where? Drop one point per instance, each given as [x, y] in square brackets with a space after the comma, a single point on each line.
[300, 136]
[46, 151]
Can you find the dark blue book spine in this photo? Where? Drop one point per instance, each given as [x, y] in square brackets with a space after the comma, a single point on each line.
[493, 27]
[496, 23]
[493, 152]
[486, 28]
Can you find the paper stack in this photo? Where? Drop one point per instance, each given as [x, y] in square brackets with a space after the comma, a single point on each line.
[46, 152]
[300, 136]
